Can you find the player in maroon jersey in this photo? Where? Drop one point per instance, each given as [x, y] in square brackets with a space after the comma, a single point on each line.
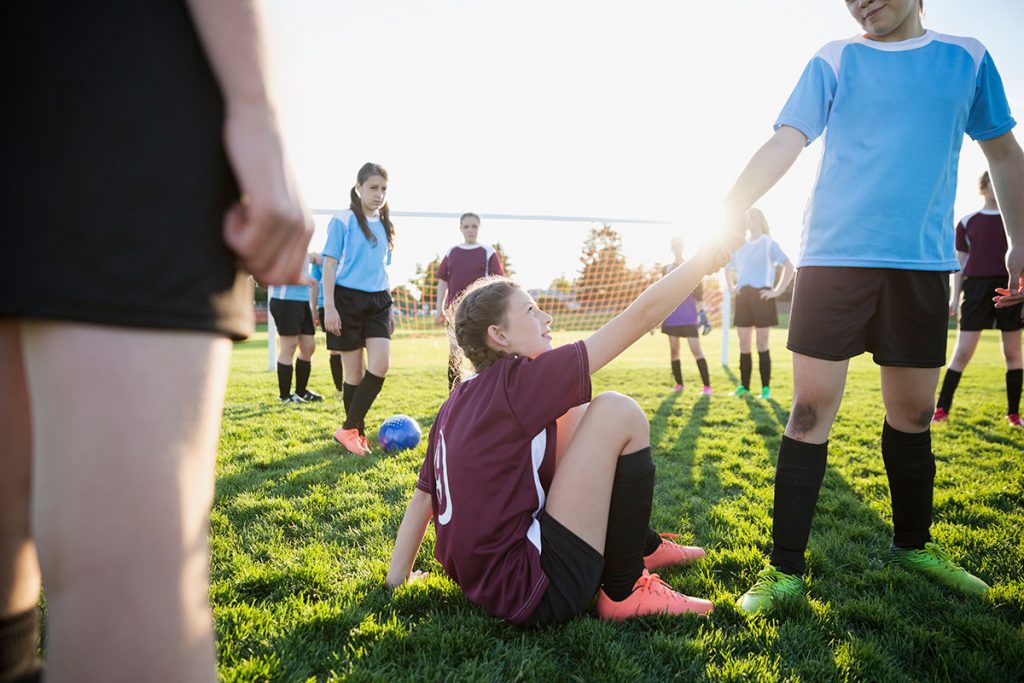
[463, 265]
[981, 249]
[540, 495]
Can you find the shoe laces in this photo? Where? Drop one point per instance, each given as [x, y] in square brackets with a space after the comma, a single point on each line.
[767, 579]
[936, 551]
[652, 583]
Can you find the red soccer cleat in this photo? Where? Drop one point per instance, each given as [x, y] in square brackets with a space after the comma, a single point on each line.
[1014, 420]
[350, 439]
[670, 553]
[650, 595]
[940, 415]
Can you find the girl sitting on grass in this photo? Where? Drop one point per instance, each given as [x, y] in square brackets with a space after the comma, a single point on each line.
[540, 495]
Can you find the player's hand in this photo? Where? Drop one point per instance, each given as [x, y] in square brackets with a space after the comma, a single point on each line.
[440, 319]
[952, 309]
[414, 576]
[417, 575]
[391, 322]
[768, 294]
[268, 229]
[316, 318]
[332, 321]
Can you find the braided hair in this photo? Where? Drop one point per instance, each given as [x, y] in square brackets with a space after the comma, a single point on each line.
[482, 304]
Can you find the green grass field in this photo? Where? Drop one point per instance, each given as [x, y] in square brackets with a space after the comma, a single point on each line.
[301, 538]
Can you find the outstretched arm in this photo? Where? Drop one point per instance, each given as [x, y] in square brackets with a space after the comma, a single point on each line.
[1006, 166]
[409, 539]
[764, 169]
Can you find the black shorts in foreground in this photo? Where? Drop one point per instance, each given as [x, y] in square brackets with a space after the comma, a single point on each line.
[292, 318]
[574, 571]
[753, 311]
[978, 311]
[364, 315]
[679, 330]
[123, 192]
[900, 316]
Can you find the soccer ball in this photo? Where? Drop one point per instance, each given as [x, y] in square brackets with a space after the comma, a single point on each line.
[398, 433]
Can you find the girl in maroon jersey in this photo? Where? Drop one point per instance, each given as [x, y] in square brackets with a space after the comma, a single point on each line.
[540, 495]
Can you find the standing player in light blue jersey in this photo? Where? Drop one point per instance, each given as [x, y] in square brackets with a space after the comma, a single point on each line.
[893, 104]
[357, 298]
[316, 306]
[289, 304]
[751, 276]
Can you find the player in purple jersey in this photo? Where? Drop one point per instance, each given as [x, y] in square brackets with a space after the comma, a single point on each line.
[684, 322]
[541, 496]
[981, 249]
[463, 265]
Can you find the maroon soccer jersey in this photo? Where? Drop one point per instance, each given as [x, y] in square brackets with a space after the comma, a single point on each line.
[490, 460]
[982, 236]
[464, 264]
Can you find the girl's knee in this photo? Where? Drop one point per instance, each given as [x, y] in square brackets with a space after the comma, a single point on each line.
[622, 411]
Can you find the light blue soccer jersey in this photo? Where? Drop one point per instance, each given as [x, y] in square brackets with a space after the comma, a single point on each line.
[755, 261]
[361, 263]
[894, 116]
[316, 271]
[290, 292]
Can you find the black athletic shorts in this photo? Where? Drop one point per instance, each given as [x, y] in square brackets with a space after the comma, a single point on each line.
[978, 311]
[364, 315]
[679, 330]
[292, 318]
[574, 570]
[900, 316]
[753, 311]
[114, 171]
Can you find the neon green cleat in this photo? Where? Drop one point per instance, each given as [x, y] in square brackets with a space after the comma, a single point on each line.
[934, 561]
[766, 393]
[771, 588]
[741, 391]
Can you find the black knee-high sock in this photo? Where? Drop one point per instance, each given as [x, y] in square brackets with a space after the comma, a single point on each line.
[702, 367]
[798, 476]
[302, 368]
[629, 515]
[337, 372]
[347, 393]
[677, 371]
[284, 380]
[362, 399]
[652, 541]
[19, 635]
[949, 384]
[1013, 384]
[764, 365]
[746, 366]
[910, 466]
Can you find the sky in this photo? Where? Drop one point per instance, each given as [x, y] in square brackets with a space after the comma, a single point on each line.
[644, 110]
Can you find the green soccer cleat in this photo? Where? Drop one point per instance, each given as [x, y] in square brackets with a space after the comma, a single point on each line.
[771, 588]
[766, 393]
[741, 391]
[934, 561]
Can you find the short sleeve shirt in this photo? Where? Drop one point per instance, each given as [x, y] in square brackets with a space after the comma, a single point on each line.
[686, 312]
[361, 262]
[754, 262]
[982, 236]
[316, 271]
[894, 117]
[464, 264]
[489, 463]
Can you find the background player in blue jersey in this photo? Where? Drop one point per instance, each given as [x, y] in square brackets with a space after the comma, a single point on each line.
[876, 253]
[751, 276]
[357, 298]
[293, 316]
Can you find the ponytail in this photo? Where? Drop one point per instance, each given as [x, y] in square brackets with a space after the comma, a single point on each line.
[367, 171]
